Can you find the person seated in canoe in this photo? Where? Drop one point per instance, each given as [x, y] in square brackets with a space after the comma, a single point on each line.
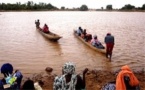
[69, 80]
[79, 31]
[45, 29]
[37, 23]
[96, 43]
[84, 33]
[126, 80]
[88, 37]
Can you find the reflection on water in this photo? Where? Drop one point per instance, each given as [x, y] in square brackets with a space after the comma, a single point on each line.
[29, 51]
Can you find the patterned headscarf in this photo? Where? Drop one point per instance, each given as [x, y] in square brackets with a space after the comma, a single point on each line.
[68, 68]
[60, 82]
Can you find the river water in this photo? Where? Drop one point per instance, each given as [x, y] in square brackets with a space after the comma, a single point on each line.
[30, 52]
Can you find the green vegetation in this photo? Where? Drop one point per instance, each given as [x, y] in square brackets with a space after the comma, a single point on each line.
[84, 8]
[27, 6]
[143, 7]
[109, 7]
[131, 7]
[31, 6]
[127, 7]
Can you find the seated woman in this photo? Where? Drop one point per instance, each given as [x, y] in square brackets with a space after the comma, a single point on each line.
[69, 80]
[45, 29]
[125, 80]
[11, 81]
[84, 33]
[96, 43]
[88, 37]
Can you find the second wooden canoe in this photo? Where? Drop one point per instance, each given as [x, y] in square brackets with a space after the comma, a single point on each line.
[103, 51]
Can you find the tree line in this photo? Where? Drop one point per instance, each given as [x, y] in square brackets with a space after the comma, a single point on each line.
[127, 7]
[30, 5]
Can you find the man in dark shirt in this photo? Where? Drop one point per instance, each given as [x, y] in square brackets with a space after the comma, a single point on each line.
[109, 40]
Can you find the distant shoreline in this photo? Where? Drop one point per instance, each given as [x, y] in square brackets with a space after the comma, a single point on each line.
[73, 10]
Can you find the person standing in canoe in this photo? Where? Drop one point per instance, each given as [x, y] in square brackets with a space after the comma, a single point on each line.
[45, 28]
[109, 40]
[37, 23]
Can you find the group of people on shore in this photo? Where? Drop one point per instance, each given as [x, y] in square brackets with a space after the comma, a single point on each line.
[45, 28]
[69, 80]
[109, 41]
[12, 80]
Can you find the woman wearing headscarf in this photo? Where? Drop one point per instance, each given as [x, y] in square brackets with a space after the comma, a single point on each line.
[122, 83]
[125, 80]
[69, 80]
[11, 80]
[96, 43]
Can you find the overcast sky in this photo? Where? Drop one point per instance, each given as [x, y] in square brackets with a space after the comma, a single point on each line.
[90, 3]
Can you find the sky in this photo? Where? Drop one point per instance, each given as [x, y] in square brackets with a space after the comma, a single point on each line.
[94, 4]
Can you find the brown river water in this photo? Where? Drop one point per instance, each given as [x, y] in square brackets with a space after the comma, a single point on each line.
[30, 52]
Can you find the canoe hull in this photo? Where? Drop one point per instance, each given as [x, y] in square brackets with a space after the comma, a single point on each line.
[103, 51]
[50, 36]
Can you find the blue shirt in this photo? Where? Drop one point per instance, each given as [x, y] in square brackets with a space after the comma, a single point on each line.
[109, 39]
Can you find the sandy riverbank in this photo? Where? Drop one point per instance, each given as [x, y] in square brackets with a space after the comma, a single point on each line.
[94, 79]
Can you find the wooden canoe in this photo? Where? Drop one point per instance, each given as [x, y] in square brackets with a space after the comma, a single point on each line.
[103, 51]
[50, 35]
